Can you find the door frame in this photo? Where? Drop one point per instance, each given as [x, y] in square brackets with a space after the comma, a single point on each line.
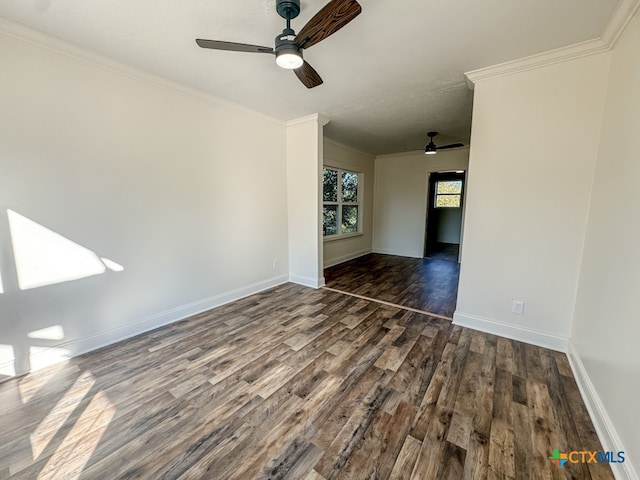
[432, 178]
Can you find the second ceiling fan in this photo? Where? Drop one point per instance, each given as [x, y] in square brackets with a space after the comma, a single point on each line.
[432, 148]
[288, 46]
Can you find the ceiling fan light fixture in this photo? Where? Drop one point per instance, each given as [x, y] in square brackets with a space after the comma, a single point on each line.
[430, 149]
[288, 54]
[289, 59]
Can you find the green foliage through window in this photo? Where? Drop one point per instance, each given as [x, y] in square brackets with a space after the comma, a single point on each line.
[349, 187]
[330, 220]
[349, 218]
[448, 193]
[341, 202]
[330, 185]
[450, 186]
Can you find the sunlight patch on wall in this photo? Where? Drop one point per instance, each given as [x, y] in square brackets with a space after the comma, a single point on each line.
[55, 332]
[44, 257]
[7, 364]
[111, 265]
[41, 357]
[1, 284]
[70, 458]
[58, 415]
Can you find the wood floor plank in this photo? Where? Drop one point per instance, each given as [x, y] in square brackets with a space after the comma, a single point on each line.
[376, 454]
[341, 406]
[340, 449]
[313, 475]
[522, 442]
[454, 461]
[501, 464]
[543, 429]
[567, 434]
[406, 460]
[400, 426]
[461, 421]
[431, 460]
[295, 383]
[477, 458]
[363, 461]
[588, 439]
[504, 355]
[519, 359]
[501, 442]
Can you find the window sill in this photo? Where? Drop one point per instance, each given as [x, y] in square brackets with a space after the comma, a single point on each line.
[334, 238]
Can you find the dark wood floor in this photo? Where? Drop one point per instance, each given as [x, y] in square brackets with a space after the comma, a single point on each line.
[425, 284]
[297, 383]
[444, 251]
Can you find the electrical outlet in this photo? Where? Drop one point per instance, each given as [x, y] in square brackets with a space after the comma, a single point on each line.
[275, 263]
[518, 307]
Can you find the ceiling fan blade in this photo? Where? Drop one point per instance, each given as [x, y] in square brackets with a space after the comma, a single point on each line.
[308, 75]
[333, 16]
[453, 145]
[232, 46]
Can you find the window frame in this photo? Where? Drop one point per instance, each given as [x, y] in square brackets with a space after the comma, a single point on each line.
[340, 203]
[436, 194]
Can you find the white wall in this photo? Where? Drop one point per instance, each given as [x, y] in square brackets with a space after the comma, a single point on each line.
[449, 222]
[533, 150]
[304, 173]
[400, 198]
[340, 156]
[188, 194]
[606, 327]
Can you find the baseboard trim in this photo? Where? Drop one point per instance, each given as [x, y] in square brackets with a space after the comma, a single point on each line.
[601, 421]
[514, 332]
[346, 258]
[307, 281]
[80, 346]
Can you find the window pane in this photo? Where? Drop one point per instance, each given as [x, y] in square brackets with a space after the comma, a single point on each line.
[349, 218]
[447, 201]
[329, 185]
[453, 186]
[330, 220]
[349, 187]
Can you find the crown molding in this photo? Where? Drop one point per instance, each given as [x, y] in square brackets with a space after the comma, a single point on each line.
[619, 19]
[315, 117]
[42, 40]
[322, 120]
[347, 147]
[559, 55]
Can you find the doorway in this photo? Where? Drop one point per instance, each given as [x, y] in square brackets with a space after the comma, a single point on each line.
[443, 230]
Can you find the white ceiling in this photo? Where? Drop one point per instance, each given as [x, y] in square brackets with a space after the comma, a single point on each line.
[390, 76]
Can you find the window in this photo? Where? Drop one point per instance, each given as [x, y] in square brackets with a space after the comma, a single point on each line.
[341, 202]
[448, 193]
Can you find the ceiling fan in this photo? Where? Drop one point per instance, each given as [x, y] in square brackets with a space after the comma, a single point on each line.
[431, 148]
[288, 46]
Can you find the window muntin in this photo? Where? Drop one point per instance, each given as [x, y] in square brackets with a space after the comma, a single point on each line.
[341, 210]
